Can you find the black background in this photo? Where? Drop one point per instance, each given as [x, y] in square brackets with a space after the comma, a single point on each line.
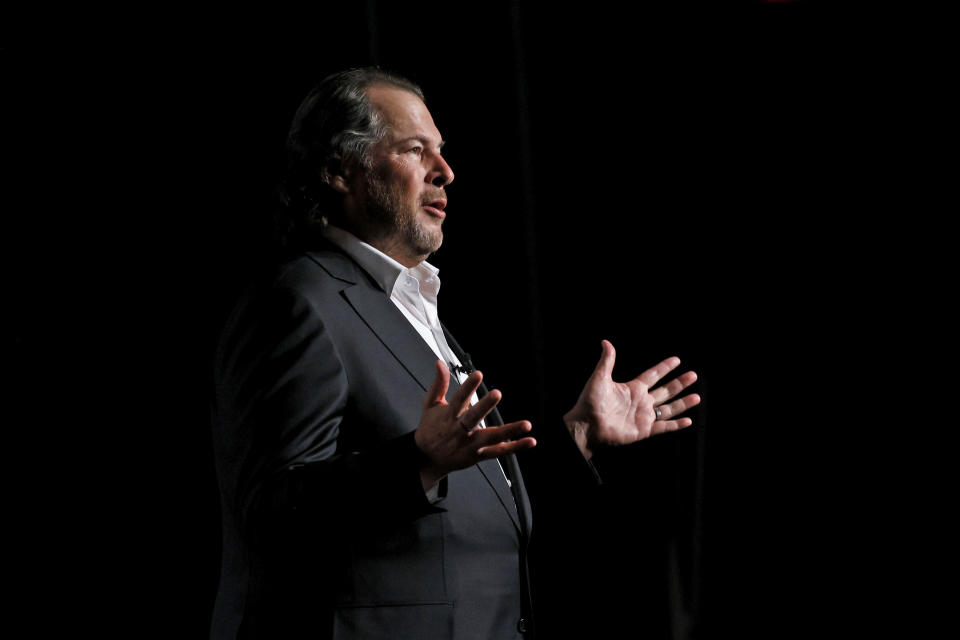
[695, 181]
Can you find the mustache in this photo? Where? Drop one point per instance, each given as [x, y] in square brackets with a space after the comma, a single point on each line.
[433, 196]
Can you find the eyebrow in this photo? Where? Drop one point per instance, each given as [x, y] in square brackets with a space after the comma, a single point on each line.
[421, 139]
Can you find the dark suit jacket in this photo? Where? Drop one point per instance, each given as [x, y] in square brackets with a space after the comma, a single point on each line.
[327, 533]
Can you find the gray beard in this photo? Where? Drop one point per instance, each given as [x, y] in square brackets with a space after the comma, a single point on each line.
[387, 217]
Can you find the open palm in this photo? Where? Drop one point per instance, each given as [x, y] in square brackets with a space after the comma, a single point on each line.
[616, 413]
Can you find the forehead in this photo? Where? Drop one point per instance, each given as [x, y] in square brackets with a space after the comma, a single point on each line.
[404, 113]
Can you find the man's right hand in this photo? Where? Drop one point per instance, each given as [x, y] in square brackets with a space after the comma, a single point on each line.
[449, 434]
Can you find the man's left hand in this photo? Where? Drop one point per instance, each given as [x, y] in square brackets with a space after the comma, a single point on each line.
[616, 413]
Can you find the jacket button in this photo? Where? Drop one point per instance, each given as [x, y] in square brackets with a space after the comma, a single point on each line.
[522, 625]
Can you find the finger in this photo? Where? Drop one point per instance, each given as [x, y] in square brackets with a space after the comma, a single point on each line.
[495, 435]
[438, 390]
[505, 448]
[461, 399]
[608, 355]
[652, 375]
[470, 419]
[677, 407]
[663, 393]
[663, 426]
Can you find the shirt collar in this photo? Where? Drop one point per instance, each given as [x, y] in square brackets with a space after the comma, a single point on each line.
[382, 268]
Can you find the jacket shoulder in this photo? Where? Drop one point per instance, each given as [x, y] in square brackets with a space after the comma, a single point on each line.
[309, 282]
[322, 268]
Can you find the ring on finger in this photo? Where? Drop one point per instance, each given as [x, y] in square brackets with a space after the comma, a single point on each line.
[659, 413]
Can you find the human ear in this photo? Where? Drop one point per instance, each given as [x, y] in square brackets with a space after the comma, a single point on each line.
[338, 182]
[339, 176]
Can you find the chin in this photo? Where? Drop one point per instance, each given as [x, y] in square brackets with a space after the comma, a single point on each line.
[427, 239]
[432, 247]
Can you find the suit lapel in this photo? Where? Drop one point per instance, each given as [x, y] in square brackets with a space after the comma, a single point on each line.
[394, 331]
[493, 474]
[519, 490]
[381, 315]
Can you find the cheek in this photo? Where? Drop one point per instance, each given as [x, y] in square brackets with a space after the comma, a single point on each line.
[407, 184]
[402, 177]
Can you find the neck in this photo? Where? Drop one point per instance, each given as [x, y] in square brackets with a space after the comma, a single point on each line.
[395, 250]
[385, 243]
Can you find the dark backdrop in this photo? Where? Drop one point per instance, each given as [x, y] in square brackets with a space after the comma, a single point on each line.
[681, 182]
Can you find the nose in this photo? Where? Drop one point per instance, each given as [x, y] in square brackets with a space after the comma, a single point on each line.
[442, 174]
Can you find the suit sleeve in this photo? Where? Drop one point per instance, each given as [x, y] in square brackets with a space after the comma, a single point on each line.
[281, 403]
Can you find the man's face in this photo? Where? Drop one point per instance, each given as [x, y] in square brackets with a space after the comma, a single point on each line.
[397, 202]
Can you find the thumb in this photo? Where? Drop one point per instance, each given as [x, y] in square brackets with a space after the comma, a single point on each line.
[608, 356]
[438, 390]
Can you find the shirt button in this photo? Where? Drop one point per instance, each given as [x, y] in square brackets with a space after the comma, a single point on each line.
[522, 625]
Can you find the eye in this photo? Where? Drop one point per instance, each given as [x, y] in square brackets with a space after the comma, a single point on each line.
[417, 150]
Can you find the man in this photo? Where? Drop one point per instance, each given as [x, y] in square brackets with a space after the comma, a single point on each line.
[368, 489]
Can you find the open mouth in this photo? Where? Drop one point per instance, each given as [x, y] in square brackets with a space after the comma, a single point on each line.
[435, 208]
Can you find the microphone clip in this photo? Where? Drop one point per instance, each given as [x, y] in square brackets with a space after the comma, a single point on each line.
[466, 368]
